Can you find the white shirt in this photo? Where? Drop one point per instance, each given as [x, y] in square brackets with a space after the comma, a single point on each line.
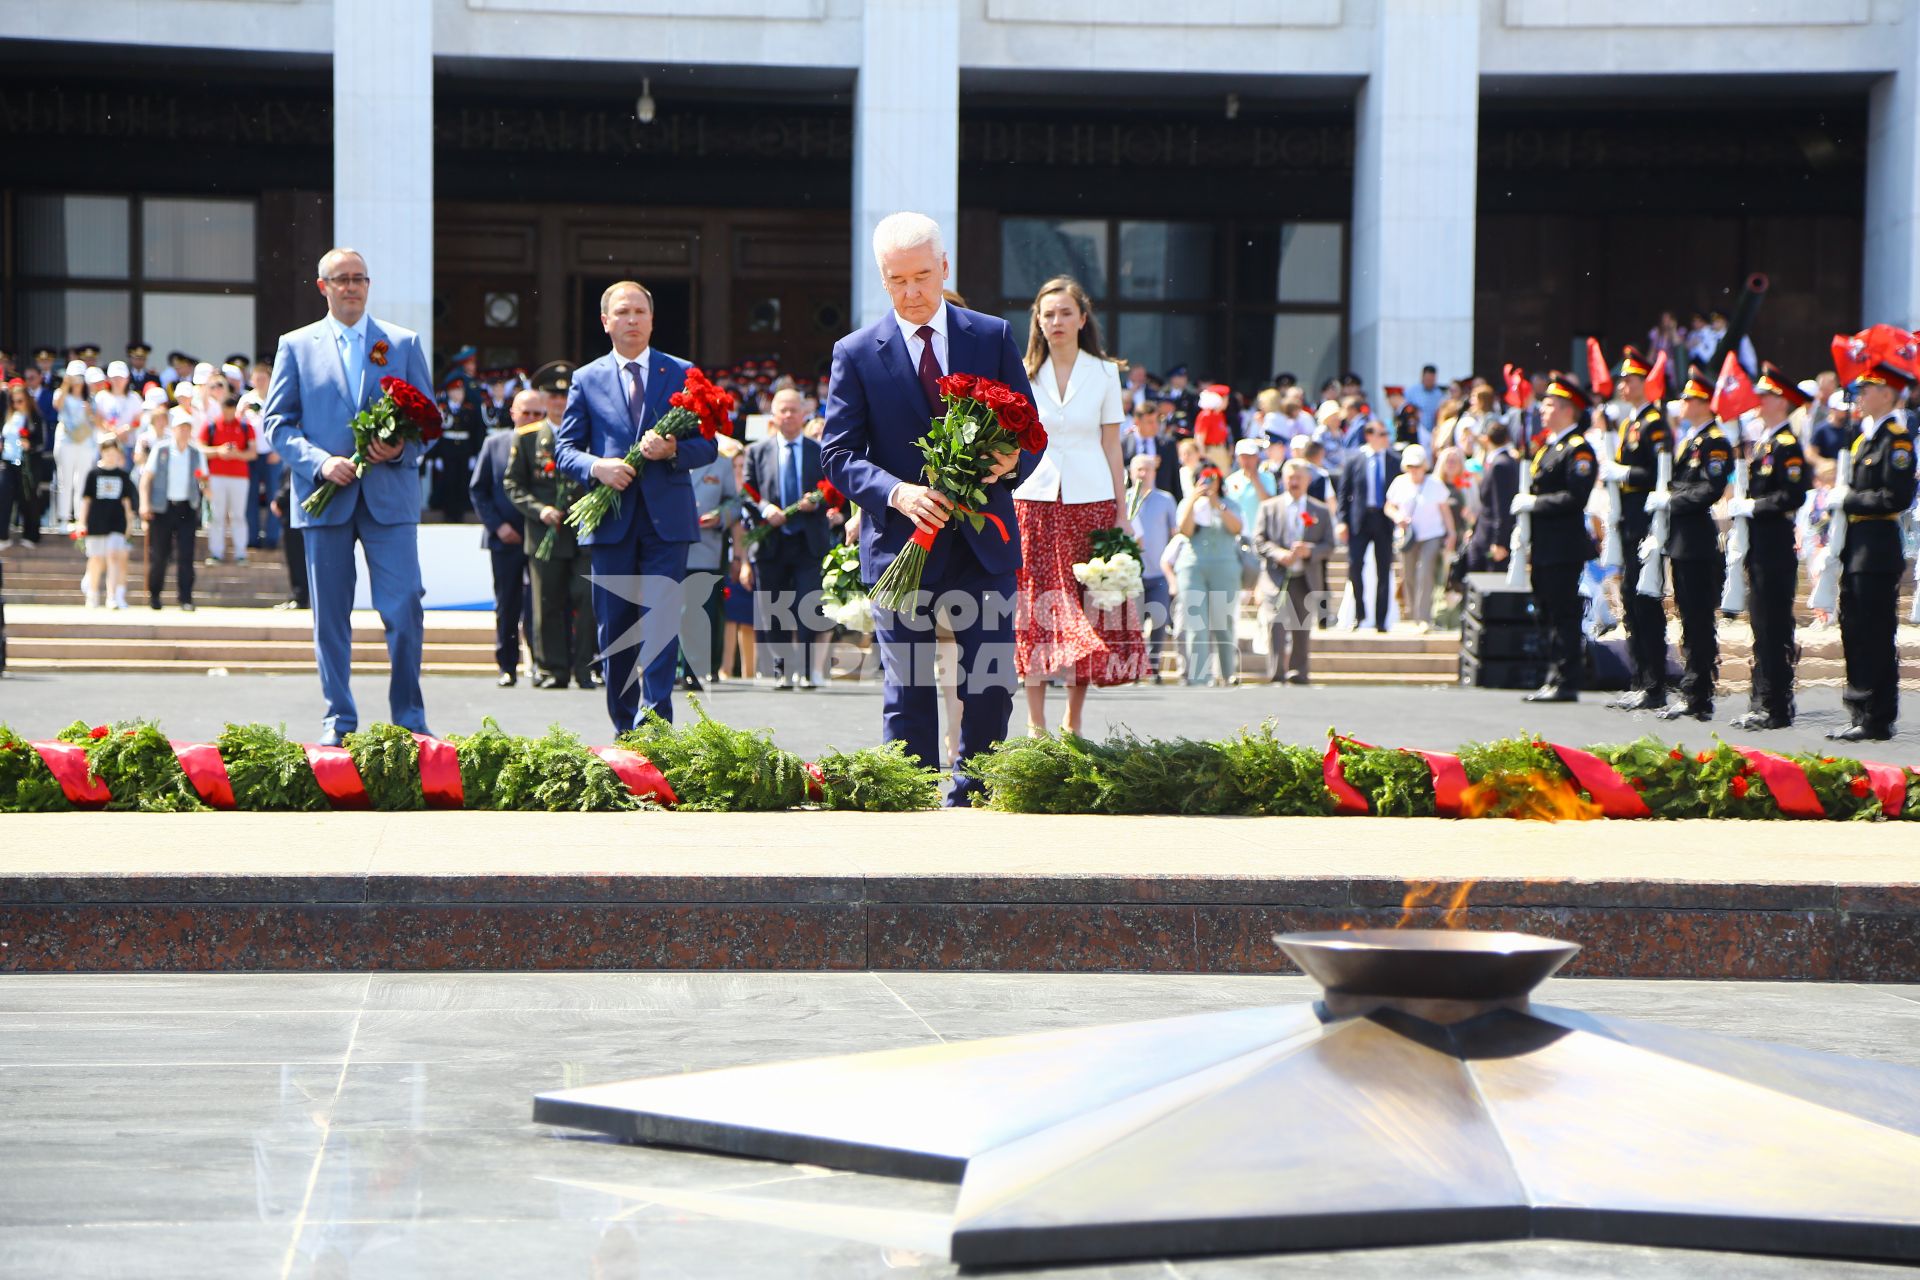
[910, 332]
[626, 377]
[1423, 503]
[1074, 469]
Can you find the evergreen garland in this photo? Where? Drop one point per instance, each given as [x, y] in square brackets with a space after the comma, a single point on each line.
[1505, 774]
[389, 763]
[483, 754]
[877, 780]
[717, 769]
[1395, 782]
[137, 765]
[26, 784]
[1041, 775]
[557, 774]
[268, 771]
[1843, 787]
[1271, 778]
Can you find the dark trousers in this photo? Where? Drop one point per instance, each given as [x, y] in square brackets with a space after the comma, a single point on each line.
[1697, 585]
[509, 602]
[786, 610]
[562, 618]
[293, 545]
[263, 527]
[1869, 604]
[171, 535]
[1645, 616]
[1156, 610]
[639, 620]
[1771, 582]
[10, 482]
[1556, 600]
[706, 595]
[1290, 633]
[19, 492]
[909, 698]
[1374, 531]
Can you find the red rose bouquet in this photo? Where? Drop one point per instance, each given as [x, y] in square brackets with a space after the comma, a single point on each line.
[699, 408]
[403, 413]
[823, 495]
[984, 419]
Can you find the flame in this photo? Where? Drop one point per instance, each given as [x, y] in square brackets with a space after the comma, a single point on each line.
[1426, 893]
[1543, 799]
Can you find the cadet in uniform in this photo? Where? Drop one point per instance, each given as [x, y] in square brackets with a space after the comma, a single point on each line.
[1644, 437]
[1881, 492]
[563, 632]
[1702, 464]
[1777, 480]
[1563, 476]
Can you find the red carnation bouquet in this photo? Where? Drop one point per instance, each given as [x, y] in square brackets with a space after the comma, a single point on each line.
[984, 419]
[403, 413]
[822, 494]
[698, 408]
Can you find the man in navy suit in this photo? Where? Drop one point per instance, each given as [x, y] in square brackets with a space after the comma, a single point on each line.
[880, 400]
[1364, 522]
[323, 375]
[784, 469]
[504, 531]
[640, 551]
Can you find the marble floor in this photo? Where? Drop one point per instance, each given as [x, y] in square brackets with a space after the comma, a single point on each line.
[376, 1125]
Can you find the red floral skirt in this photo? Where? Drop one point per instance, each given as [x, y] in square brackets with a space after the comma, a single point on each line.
[1052, 629]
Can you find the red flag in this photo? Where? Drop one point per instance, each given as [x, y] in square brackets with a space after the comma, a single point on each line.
[1599, 376]
[1519, 388]
[1733, 393]
[1657, 378]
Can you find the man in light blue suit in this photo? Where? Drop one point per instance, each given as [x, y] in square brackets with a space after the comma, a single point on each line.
[883, 395]
[322, 376]
[640, 551]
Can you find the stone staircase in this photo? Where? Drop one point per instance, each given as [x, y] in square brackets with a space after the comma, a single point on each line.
[49, 573]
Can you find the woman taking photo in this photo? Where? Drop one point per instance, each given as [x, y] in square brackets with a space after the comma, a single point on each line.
[1077, 488]
[1207, 570]
[72, 445]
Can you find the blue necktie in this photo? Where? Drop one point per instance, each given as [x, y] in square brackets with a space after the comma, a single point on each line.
[791, 483]
[1379, 471]
[637, 402]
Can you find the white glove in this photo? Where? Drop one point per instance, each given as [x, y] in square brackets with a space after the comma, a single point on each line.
[1613, 472]
[1837, 497]
[1523, 503]
[1649, 548]
[1739, 507]
[1659, 500]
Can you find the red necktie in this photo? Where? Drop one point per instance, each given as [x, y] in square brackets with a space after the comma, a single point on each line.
[929, 367]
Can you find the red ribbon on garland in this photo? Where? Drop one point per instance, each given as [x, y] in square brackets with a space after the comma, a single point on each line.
[640, 774]
[1787, 781]
[1889, 782]
[1346, 798]
[338, 776]
[816, 781]
[204, 768]
[440, 773]
[68, 764]
[1603, 782]
[1449, 782]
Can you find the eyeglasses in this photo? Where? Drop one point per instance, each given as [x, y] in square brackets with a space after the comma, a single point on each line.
[349, 282]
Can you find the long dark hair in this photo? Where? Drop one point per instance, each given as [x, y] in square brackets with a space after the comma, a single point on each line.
[33, 407]
[1089, 332]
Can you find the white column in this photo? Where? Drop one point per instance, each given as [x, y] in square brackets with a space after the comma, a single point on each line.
[906, 130]
[383, 153]
[1415, 167]
[1890, 290]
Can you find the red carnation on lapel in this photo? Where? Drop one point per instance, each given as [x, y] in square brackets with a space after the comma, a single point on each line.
[1306, 520]
[378, 353]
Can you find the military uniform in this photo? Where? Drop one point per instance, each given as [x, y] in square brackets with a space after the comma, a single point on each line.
[1644, 437]
[1701, 470]
[1563, 477]
[563, 637]
[1875, 557]
[1778, 476]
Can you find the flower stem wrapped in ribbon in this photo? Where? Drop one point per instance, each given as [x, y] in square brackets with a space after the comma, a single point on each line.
[823, 495]
[984, 419]
[403, 413]
[700, 408]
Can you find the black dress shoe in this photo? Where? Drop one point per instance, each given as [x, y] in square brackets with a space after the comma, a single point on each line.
[506, 679]
[1551, 693]
[1680, 709]
[545, 681]
[1761, 720]
[1859, 733]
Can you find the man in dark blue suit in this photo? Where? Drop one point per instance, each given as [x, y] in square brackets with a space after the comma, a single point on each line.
[1364, 523]
[640, 551]
[784, 469]
[880, 400]
[504, 532]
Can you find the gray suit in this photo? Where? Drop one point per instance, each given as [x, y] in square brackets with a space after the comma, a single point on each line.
[1285, 593]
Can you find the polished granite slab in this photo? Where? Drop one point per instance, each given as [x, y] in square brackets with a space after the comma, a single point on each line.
[376, 1125]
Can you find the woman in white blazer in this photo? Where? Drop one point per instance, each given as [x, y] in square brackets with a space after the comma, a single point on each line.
[1078, 487]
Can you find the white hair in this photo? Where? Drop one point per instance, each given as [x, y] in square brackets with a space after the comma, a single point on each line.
[899, 231]
[333, 255]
